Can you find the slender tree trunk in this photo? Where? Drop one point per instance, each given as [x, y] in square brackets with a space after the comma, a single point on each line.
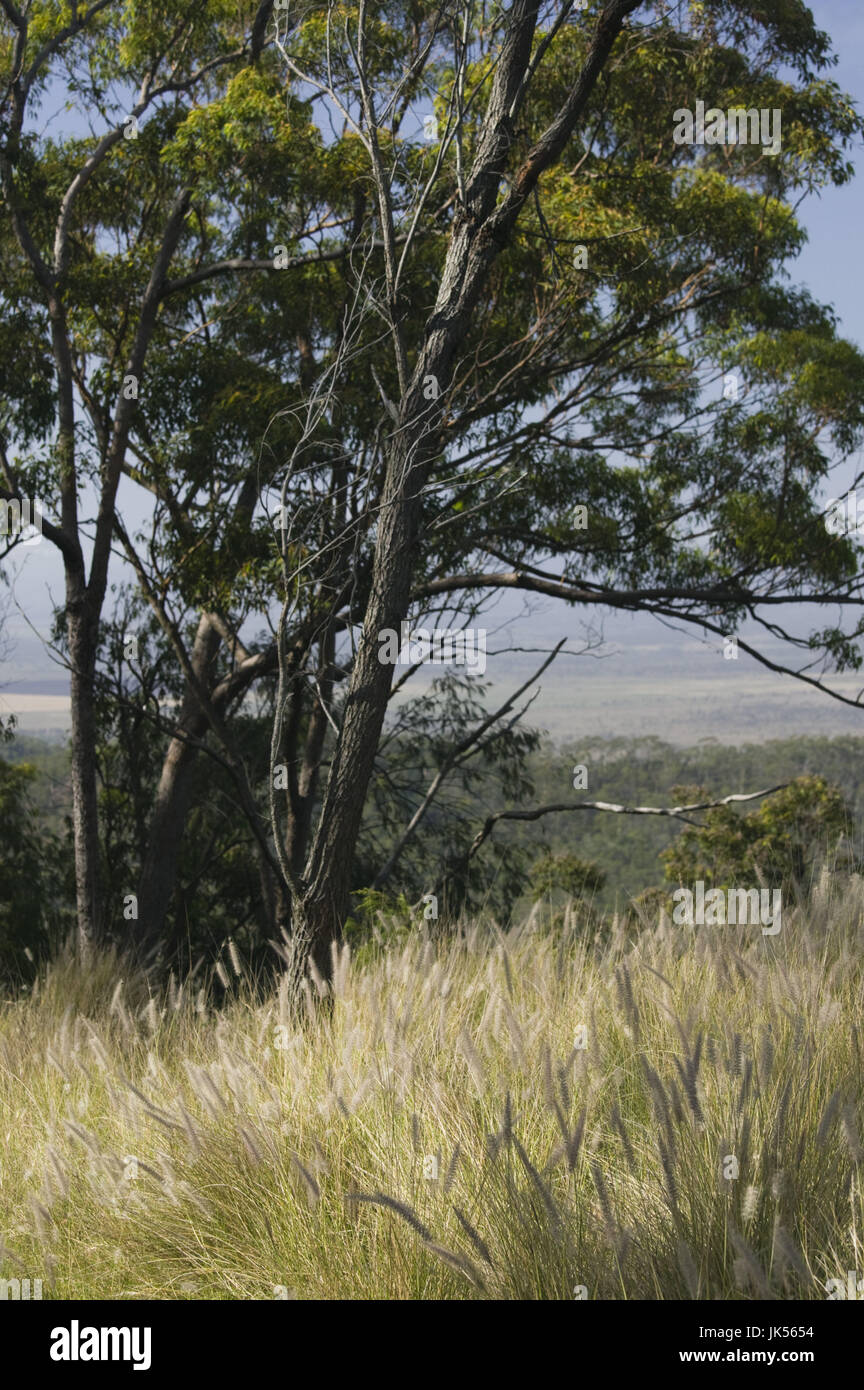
[159, 871]
[298, 828]
[171, 808]
[82, 637]
[331, 859]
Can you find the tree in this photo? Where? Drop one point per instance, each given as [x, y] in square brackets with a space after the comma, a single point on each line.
[145, 62]
[566, 873]
[780, 842]
[532, 116]
[31, 878]
[546, 349]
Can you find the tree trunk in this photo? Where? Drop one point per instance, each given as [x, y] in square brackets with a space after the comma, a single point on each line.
[82, 637]
[481, 230]
[331, 858]
[171, 808]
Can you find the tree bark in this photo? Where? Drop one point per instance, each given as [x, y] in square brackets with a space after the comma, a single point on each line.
[171, 808]
[330, 864]
[82, 631]
[481, 231]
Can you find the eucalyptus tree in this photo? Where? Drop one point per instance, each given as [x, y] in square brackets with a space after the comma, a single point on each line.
[388, 308]
[607, 394]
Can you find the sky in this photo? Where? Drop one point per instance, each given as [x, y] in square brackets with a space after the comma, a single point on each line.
[644, 678]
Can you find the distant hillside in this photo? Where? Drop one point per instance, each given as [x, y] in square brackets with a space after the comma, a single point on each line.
[643, 771]
[51, 792]
[630, 771]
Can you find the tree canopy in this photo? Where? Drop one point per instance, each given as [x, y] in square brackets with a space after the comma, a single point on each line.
[374, 311]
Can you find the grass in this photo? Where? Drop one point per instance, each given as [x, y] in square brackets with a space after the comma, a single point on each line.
[429, 1130]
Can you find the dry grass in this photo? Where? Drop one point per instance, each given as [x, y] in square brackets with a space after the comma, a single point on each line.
[278, 1156]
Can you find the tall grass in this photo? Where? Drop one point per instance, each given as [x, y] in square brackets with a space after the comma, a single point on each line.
[428, 1130]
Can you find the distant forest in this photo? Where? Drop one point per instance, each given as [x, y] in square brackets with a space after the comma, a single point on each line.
[644, 771]
[625, 771]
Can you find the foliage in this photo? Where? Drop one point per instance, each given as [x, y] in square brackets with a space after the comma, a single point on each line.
[645, 771]
[778, 843]
[566, 874]
[32, 887]
[597, 386]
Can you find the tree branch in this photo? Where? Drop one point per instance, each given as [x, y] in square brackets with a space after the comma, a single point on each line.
[453, 759]
[676, 812]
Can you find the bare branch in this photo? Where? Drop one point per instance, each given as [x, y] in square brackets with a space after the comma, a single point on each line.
[675, 812]
[453, 759]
